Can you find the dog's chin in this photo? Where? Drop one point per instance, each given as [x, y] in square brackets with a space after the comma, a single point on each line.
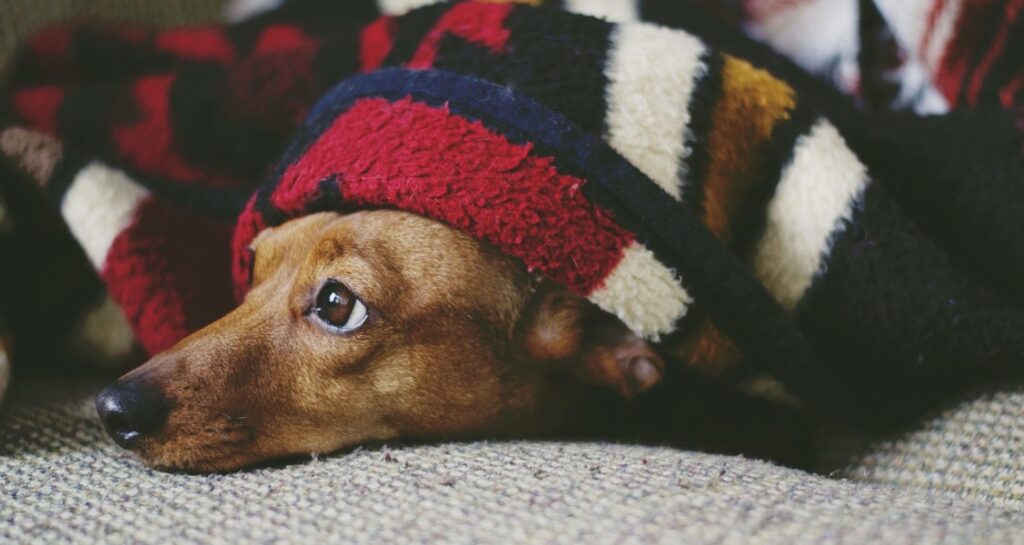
[199, 460]
[192, 456]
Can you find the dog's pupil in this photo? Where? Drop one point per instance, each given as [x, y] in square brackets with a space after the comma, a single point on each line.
[334, 304]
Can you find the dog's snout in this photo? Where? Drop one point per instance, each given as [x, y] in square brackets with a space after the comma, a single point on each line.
[130, 411]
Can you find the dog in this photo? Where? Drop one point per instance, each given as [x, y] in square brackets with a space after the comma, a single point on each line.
[740, 232]
[372, 326]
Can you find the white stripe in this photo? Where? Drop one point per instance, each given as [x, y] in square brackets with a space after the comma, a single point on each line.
[616, 11]
[814, 198]
[652, 72]
[907, 19]
[945, 26]
[814, 34]
[401, 7]
[643, 293]
[99, 204]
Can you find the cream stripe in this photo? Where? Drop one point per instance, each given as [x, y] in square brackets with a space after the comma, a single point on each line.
[815, 196]
[99, 204]
[815, 34]
[643, 293]
[908, 20]
[652, 73]
[401, 7]
[616, 11]
[945, 25]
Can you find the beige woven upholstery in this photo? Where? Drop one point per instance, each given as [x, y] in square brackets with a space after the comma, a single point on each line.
[63, 482]
[973, 446]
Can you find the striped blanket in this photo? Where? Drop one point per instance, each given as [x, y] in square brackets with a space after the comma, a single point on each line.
[696, 184]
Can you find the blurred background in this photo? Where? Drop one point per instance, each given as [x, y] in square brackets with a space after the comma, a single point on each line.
[18, 18]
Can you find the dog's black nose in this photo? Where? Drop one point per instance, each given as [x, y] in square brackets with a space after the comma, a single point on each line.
[130, 411]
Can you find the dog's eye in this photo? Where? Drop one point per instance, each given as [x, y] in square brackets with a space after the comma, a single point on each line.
[338, 308]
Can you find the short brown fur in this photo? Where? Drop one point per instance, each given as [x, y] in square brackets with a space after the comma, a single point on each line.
[460, 341]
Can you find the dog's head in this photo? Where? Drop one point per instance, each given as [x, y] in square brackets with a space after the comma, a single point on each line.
[372, 326]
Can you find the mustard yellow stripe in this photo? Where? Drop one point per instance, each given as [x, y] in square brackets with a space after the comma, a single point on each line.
[751, 104]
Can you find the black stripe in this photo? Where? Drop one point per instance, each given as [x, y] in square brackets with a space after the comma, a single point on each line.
[1008, 66]
[410, 31]
[990, 21]
[322, 19]
[694, 170]
[71, 162]
[752, 219]
[559, 60]
[895, 322]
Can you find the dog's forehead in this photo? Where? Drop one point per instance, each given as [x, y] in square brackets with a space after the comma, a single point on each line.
[290, 233]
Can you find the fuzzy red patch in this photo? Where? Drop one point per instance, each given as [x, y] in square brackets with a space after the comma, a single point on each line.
[38, 107]
[957, 60]
[148, 143]
[1010, 94]
[480, 23]
[280, 37]
[199, 43]
[375, 43]
[170, 274]
[425, 160]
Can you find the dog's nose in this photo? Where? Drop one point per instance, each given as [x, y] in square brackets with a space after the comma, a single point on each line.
[130, 411]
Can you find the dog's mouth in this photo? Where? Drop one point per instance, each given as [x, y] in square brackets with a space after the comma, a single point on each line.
[223, 445]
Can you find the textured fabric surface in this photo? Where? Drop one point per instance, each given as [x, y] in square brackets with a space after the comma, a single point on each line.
[18, 18]
[64, 482]
[974, 446]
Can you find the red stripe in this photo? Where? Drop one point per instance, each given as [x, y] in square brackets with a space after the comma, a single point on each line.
[169, 271]
[1012, 10]
[967, 37]
[929, 29]
[425, 160]
[282, 37]
[38, 107]
[148, 143]
[1010, 95]
[375, 43]
[200, 44]
[480, 23]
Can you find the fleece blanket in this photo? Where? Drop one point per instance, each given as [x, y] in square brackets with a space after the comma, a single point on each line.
[716, 198]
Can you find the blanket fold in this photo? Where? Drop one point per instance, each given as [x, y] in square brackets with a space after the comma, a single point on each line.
[762, 224]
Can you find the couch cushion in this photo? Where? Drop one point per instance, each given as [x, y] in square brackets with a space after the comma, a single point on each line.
[973, 446]
[64, 482]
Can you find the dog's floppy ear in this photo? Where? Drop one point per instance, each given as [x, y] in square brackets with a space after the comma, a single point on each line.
[565, 331]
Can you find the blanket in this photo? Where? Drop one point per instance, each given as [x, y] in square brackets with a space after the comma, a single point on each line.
[718, 197]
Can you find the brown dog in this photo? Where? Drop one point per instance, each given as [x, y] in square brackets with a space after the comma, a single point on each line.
[373, 326]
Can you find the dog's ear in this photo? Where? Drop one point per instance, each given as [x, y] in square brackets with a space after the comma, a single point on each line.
[564, 331]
